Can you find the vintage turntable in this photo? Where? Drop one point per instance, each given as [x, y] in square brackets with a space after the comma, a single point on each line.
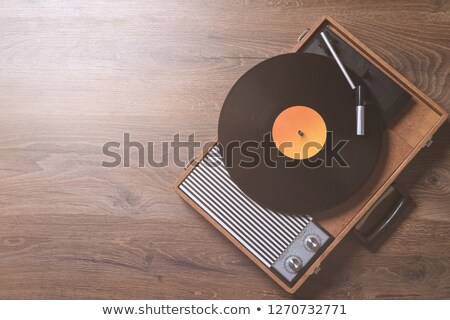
[268, 183]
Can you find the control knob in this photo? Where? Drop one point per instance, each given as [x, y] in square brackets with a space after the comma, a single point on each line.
[294, 264]
[313, 243]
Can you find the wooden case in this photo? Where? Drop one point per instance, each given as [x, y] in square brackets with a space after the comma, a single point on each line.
[403, 139]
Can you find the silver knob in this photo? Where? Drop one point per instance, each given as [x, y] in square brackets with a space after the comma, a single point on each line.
[313, 243]
[295, 264]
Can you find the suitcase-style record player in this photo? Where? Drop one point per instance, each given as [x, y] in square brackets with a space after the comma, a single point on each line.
[288, 217]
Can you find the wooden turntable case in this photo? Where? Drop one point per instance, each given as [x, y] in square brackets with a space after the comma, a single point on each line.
[412, 129]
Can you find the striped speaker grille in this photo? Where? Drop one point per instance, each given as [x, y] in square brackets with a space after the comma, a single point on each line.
[265, 233]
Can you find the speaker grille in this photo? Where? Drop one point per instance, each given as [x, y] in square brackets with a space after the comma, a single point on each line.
[263, 232]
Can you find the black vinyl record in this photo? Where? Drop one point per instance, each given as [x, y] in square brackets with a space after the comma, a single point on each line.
[261, 170]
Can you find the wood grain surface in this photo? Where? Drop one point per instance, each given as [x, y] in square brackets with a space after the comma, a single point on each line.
[77, 74]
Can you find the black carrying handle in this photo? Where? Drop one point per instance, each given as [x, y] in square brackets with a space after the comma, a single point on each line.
[401, 201]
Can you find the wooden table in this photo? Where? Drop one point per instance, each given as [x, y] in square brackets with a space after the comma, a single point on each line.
[75, 75]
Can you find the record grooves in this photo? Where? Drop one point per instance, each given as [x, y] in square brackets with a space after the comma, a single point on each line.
[278, 181]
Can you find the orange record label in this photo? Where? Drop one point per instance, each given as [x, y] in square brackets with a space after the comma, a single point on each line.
[299, 132]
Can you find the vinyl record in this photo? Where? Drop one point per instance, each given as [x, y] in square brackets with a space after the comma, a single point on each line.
[303, 98]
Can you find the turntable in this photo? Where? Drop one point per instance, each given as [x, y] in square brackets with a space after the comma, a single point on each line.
[309, 146]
